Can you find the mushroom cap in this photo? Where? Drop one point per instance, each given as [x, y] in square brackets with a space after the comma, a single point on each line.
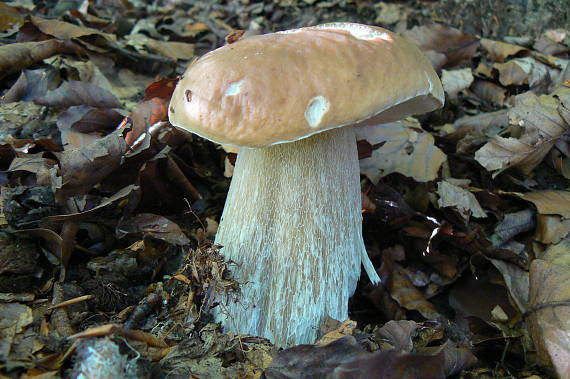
[284, 86]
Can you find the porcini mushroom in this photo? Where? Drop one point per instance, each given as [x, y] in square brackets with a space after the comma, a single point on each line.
[292, 220]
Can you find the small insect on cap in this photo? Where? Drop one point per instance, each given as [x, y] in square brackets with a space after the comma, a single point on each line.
[281, 87]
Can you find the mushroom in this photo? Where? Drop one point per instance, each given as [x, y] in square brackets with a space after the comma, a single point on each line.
[292, 220]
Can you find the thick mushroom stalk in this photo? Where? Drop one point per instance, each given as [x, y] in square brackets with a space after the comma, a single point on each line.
[292, 223]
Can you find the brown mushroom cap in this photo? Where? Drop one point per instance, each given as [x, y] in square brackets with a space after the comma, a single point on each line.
[282, 87]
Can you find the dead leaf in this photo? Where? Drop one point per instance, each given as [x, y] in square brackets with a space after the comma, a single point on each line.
[489, 91]
[399, 333]
[500, 51]
[399, 147]
[543, 122]
[154, 226]
[174, 50]
[549, 306]
[522, 71]
[456, 81]
[444, 45]
[451, 195]
[18, 56]
[549, 202]
[15, 317]
[74, 92]
[82, 168]
[551, 229]
[81, 125]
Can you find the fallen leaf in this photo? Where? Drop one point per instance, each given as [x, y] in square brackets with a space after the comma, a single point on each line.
[399, 147]
[456, 81]
[522, 71]
[500, 51]
[18, 56]
[489, 91]
[543, 120]
[549, 202]
[451, 195]
[154, 226]
[446, 46]
[75, 92]
[548, 317]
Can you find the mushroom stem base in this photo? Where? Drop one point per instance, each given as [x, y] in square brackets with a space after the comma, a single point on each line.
[292, 223]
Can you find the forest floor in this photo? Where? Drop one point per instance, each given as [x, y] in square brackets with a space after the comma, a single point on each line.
[109, 213]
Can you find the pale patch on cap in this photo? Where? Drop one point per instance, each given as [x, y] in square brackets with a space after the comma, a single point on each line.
[316, 109]
[358, 31]
[234, 88]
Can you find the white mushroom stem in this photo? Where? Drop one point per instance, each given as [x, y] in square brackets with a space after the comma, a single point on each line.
[292, 223]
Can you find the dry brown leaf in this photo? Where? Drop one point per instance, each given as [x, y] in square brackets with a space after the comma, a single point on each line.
[549, 308]
[174, 50]
[543, 120]
[517, 282]
[82, 168]
[444, 46]
[18, 56]
[456, 81]
[399, 333]
[99, 41]
[154, 226]
[408, 296]
[79, 93]
[549, 202]
[15, 317]
[81, 125]
[402, 147]
[551, 229]
[522, 71]
[489, 91]
[451, 195]
[500, 51]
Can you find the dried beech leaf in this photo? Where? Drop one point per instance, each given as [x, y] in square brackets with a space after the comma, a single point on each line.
[404, 149]
[456, 81]
[174, 50]
[79, 93]
[549, 318]
[549, 202]
[489, 91]
[392, 364]
[18, 56]
[15, 317]
[451, 195]
[82, 168]
[82, 125]
[500, 51]
[521, 71]
[65, 30]
[399, 333]
[551, 229]
[153, 225]
[441, 41]
[408, 296]
[543, 121]
[311, 361]
[517, 281]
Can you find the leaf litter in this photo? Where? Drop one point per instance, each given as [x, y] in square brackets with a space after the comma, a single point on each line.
[108, 212]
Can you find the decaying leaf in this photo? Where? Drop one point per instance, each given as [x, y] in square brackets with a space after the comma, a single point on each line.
[549, 315]
[500, 51]
[543, 122]
[451, 195]
[455, 81]
[155, 226]
[400, 147]
[444, 46]
[79, 93]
